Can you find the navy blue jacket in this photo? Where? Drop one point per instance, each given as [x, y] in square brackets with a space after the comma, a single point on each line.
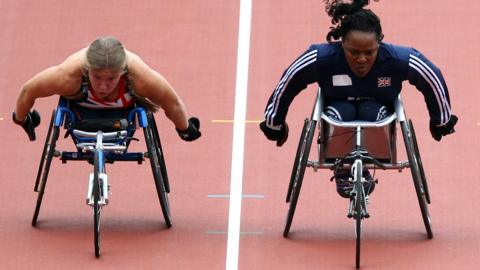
[326, 64]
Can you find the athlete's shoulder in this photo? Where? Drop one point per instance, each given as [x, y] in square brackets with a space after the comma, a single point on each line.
[64, 78]
[326, 50]
[137, 67]
[396, 52]
[75, 62]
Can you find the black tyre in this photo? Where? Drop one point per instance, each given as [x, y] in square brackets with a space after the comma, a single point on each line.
[359, 200]
[306, 143]
[158, 145]
[417, 181]
[297, 159]
[46, 170]
[419, 160]
[44, 152]
[159, 183]
[96, 206]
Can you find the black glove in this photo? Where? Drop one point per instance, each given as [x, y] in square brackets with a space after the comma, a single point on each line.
[29, 124]
[192, 132]
[280, 136]
[439, 131]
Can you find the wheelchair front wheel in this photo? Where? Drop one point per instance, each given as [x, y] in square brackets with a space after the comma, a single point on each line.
[416, 175]
[96, 206]
[359, 200]
[157, 175]
[299, 169]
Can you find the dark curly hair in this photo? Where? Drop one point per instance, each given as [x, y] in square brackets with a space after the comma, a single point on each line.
[351, 16]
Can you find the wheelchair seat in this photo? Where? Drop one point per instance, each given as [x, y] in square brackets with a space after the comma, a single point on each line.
[104, 125]
[74, 117]
[337, 138]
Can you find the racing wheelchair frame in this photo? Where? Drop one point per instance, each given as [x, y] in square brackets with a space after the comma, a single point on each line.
[373, 146]
[99, 148]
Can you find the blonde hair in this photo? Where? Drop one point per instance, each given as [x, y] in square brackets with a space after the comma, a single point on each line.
[106, 53]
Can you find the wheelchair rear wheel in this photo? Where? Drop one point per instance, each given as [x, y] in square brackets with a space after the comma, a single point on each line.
[158, 145]
[416, 175]
[297, 159]
[96, 206]
[48, 161]
[44, 152]
[296, 184]
[420, 164]
[157, 175]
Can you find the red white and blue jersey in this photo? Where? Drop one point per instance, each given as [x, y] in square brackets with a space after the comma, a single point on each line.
[125, 98]
[326, 65]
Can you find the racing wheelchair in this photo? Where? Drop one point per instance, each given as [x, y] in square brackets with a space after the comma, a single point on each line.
[103, 142]
[356, 146]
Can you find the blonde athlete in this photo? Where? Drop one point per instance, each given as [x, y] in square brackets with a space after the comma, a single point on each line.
[104, 77]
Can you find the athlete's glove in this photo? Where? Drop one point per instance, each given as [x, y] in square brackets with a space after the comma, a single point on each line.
[29, 124]
[280, 135]
[192, 132]
[448, 128]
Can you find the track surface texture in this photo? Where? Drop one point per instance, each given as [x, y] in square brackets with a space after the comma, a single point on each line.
[194, 45]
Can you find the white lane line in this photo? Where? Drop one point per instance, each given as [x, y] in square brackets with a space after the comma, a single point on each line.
[225, 232]
[230, 121]
[226, 196]
[235, 206]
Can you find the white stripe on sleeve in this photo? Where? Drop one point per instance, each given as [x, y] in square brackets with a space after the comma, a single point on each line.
[432, 79]
[298, 65]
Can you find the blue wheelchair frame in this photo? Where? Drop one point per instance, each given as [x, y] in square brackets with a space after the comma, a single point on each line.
[64, 116]
[64, 113]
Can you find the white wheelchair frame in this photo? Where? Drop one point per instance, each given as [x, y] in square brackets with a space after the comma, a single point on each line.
[357, 145]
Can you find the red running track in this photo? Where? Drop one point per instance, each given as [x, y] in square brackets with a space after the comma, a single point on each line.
[194, 46]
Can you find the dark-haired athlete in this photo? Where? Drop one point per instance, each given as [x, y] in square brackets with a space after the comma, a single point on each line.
[360, 77]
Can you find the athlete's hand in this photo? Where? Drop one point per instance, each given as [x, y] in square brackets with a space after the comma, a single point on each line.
[192, 132]
[29, 124]
[439, 131]
[280, 135]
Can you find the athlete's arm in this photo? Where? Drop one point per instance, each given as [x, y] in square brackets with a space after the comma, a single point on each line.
[63, 79]
[150, 84]
[295, 78]
[429, 80]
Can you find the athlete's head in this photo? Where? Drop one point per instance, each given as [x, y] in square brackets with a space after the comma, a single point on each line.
[359, 30]
[106, 63]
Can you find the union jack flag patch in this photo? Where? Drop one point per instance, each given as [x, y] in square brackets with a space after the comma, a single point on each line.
[384, 81]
